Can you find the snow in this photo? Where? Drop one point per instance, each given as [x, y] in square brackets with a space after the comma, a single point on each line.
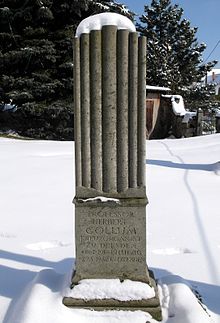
[189, 115]
[102, 199]
[96, 22]
[37, 242]
[177, 104]
[183, 306]
[8, 107]
[46, 245]
[111, 288]
[157, 88]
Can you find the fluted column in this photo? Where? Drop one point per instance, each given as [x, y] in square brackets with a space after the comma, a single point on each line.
[109, 100]
[141, 147]
[85, 109]
[133, 93]
[96, 108]
[77, 112]
[122, 110]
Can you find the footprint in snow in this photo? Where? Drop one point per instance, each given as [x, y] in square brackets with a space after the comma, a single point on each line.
[171, 251]
[47, 245]
[6, 235]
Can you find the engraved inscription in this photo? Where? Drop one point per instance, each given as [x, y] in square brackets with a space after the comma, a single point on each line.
[110, 236]
[93, 230]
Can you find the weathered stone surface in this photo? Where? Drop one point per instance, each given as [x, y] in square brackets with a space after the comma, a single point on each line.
[109, 103]
[110, 120]
[77, 113]
[83, 193]
[133, 109]
[141, 140]
[85, 109]
[122, 110]
[96, 108]
[111, 240]
[109, 87]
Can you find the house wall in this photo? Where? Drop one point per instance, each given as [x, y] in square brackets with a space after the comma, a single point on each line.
[152, 108]
[163, 120]
[213, 77]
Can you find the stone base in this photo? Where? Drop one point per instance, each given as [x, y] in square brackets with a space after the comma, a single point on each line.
[151, 306]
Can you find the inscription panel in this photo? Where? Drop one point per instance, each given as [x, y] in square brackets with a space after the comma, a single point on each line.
[111, 241]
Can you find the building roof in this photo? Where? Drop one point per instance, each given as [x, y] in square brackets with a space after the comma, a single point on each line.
[152, 88]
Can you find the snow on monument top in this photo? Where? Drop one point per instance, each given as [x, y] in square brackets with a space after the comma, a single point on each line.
[96, 22]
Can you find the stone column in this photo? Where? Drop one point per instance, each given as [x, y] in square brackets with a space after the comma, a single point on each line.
[96, 109]
[109, 99]
[77, 113]
[122, 110]
[110, 153]
[133, 110]
[109, 92]
[141, 147]
[85, 110]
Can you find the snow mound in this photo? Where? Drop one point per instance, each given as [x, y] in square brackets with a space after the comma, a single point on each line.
[41, 302]
[96, 22]
[182, 305]
[177, 104]
[111, 288]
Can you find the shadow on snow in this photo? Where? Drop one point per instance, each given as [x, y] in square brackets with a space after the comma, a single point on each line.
[170, 164]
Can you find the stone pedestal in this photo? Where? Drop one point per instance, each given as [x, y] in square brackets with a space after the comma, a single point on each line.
[151, 306]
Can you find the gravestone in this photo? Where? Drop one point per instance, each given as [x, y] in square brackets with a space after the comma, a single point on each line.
[110, 139]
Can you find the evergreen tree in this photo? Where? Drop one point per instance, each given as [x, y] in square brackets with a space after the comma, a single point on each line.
[173, 52]
[36, 64]
[201, 96]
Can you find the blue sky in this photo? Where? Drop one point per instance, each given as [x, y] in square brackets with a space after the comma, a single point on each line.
[204, 14]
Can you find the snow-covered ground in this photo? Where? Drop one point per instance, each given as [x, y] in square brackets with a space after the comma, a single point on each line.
[36, 232]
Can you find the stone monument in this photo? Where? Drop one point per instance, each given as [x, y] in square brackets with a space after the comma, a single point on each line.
[110, 139]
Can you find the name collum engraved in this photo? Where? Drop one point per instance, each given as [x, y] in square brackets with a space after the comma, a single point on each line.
[109, 236]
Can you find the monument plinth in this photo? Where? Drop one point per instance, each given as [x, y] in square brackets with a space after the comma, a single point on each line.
[110, 201]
